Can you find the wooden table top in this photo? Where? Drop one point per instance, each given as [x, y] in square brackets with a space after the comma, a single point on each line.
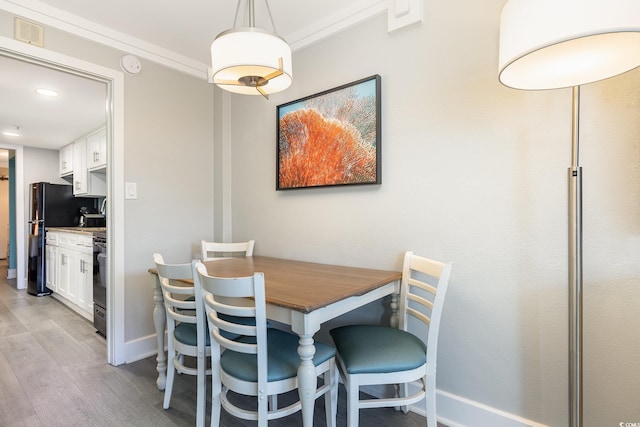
[303, 286]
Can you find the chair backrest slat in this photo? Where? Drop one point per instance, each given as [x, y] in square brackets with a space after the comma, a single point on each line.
[213, 250]
[230, 309]
[233, 345]
[172, 271]
[422, 285]
[419, 315]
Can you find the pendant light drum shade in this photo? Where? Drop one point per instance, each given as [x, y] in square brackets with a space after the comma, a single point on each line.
[550, 44]
[247, 59]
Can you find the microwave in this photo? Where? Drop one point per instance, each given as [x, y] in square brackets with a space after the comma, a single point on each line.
[92, 220]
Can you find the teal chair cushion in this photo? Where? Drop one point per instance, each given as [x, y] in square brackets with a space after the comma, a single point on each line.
[186, 333]
[372, 349]
[282, 361]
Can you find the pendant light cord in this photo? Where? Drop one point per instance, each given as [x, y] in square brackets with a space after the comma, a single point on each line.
[273, 26]
[251, 13]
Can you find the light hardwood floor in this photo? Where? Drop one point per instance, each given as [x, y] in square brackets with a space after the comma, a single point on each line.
[53, 372]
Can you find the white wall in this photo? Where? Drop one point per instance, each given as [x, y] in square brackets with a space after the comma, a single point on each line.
[473, 173]
[39, 166]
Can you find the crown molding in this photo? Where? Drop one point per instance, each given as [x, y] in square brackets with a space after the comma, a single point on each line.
[56, 18]
[44, 14]
[341, 20]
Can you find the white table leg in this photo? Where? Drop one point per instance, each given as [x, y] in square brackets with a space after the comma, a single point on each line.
[395, 305]
[159, 321]
[307, 381]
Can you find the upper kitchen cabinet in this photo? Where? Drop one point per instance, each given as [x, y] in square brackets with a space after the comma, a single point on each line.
[97, 150]
[66, 160]
[88, 172]
[80, 175]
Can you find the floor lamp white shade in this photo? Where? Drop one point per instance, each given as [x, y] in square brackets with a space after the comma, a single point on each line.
[551, 44]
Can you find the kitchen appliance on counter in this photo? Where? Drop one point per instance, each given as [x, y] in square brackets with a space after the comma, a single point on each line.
[100, 283]
[91, 219]
[52, 205]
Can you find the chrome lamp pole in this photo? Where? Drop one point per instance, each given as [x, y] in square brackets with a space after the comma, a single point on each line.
[575, 268]
[550, 44]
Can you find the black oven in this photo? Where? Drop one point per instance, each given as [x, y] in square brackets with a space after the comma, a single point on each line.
[100, 283]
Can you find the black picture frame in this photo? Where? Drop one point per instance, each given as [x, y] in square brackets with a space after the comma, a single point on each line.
[332, 138]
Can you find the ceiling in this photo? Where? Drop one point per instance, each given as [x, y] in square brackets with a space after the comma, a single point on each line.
[188, 27]
[177, 34]
[47, 122]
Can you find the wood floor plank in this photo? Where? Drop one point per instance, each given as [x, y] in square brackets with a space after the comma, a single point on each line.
[9, 323]
[15, 407]
[62, 346]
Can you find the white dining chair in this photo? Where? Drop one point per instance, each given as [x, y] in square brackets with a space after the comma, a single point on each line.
[377, 355]
[263, 361]
[184, 326]
[213, 250]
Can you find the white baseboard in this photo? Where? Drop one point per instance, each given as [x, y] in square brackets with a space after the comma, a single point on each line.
[72, 306]
[142, 348]
[457, 411]
[11, 273]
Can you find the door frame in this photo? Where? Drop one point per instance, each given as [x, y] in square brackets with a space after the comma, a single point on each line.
[115, 186]
[19, 208]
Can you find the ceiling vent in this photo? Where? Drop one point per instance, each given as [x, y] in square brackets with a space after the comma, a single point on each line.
[29, 32]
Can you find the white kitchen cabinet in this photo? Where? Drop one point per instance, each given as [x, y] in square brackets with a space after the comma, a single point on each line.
[67, 284]
[80, 173]
[97, 150]
[75, 271]
[88, 164]
[51, 261]
[85, 282]
[66, 160]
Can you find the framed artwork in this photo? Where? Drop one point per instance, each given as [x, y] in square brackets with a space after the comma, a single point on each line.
[331, 138]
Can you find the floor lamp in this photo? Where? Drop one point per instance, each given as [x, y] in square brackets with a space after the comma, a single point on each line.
[551, 44]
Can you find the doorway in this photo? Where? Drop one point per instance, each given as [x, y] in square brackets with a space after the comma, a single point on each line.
[7, 212]
[114, 81]
[4, 204]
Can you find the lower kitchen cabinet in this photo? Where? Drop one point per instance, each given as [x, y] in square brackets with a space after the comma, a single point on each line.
[85, 283]
[67, 283]
[74, 272]
[51, 261]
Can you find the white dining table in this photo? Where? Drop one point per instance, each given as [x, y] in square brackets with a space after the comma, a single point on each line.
[301, 294]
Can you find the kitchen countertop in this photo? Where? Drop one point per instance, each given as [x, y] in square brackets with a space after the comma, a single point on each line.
[79, 230]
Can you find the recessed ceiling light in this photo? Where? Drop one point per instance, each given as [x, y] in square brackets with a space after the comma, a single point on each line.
[47, 92]
[12, 132]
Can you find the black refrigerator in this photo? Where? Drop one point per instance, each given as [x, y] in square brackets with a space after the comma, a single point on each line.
[52, 205]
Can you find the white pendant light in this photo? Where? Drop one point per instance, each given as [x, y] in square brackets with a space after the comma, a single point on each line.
[250, 60]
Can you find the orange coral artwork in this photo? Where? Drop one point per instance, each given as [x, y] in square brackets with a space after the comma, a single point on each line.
[332, 138]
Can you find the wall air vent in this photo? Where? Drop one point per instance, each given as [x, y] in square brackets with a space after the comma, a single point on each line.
[29, 32]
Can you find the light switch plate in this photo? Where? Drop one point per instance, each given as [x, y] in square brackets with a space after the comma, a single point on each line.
[130, 190]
